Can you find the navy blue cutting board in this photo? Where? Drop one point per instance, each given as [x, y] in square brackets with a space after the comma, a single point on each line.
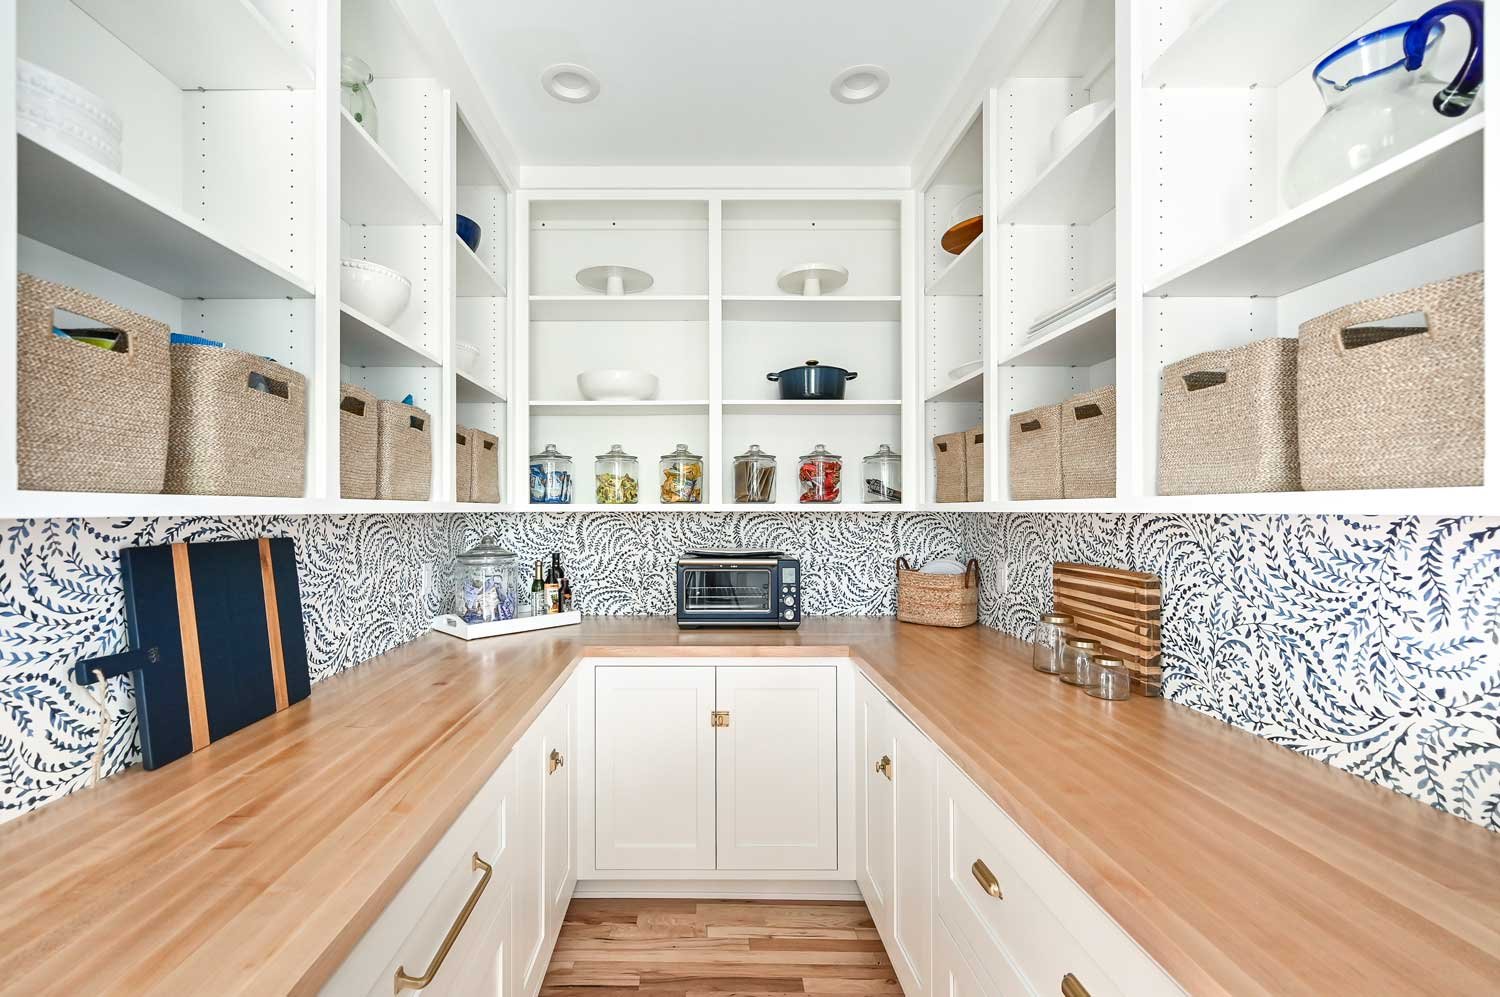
[216, 633]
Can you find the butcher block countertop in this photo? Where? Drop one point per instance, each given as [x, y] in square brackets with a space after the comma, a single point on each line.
[253, 866]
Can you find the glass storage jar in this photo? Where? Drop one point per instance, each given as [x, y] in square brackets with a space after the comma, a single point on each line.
[551, 477]
[354, 91]
[617, 477]
[819, 477]
[681, 476]
[1078, 660]
[1108, 679]
[883, 476]
[486, 586]
[1047, 644]
[755, 476]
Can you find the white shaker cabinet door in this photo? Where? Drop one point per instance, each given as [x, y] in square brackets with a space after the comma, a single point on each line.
[874, 801]
[559, 835]
[528, 912]
[654, 767]
[914, 778]
[778, 768]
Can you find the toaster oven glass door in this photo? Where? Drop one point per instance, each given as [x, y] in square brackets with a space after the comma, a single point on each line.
[713, 591]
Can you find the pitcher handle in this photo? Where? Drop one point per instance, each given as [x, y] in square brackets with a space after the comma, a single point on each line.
[1455, 98]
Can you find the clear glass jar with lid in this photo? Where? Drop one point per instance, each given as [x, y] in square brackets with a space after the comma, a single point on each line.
[617, 477]
[551, 477]
[820, 476]
[1078, 660]
[755, 476]
[486, 586]
[1108, 679]
[1047, 644]
[681, 476]
[882, 473]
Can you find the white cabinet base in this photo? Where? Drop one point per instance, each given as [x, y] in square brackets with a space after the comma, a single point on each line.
[717, 889]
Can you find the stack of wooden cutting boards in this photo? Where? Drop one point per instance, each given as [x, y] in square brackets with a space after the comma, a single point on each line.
[1118, 608]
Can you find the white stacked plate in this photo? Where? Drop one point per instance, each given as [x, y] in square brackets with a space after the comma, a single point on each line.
[58, 112]
[1078, 304]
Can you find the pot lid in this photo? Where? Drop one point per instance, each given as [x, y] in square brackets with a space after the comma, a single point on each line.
[616, 452]
[884, 453]
[755, 453]
[682, 452]
[820, 452]
[550, 452]
[487, 552]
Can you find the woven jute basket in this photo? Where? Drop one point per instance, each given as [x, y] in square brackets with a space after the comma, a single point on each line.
[486, 487]
[88, 419]
[238, 427]
[1381, 407]
[1229, 421]
[357, 437]
[974, 464]
[403, 461]
[1036, 454]
[937, 600]
[463, 463]
[1088, 444]
[952, 463]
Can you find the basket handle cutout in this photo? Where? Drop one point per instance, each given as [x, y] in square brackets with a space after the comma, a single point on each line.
[352, 405]
[1090, 411]
[489, 444]
[1031, 425]
[257, 381]
[461, 439]
[1354, 337]
[978, 437]
[1200, 379]
[942, 448]
[74, 327]
[417, 422]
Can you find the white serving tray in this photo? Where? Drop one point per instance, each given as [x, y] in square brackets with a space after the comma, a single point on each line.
[456, 626]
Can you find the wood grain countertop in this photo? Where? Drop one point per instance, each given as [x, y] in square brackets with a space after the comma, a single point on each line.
[253, 867]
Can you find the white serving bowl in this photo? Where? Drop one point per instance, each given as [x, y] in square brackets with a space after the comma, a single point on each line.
[54, 110]
[610, 385]
[373, 290]
[468, 357]
[1072, 128]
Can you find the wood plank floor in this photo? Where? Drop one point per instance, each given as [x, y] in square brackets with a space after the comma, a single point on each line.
[718, 948]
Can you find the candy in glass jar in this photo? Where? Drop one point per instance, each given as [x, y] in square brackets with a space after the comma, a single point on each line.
[551, 477]
[486, 584]
[681, 476]
[883, 475]
[617, 477]
[755, 476]
[820, 476]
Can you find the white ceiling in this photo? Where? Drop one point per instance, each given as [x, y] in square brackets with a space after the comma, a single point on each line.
[718, 82]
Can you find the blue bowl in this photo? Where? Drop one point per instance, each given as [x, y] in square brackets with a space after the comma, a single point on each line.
[468, 231]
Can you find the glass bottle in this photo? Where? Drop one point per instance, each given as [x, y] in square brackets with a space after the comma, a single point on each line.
[551, 477]
[538, 591]
[820, 476]
[354, 91]
[755, 476]
[882, 473]
[1078, 660]
[681, 476]
[1108, 679]
[617, 477]
[1047, 643]
[485, 589]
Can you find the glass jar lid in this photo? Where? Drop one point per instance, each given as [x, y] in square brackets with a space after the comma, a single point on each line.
[550, 452]
[616, 452]
[487, 552]
[755, 453]
[820, 452]
[1058, 619]
[681, 453]
[885, 453]
[1109, 662]
[1083, 643]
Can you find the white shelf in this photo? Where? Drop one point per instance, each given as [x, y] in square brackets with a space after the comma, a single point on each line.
[965, 275]
[826, 308]
[1242, 43]
[1426, 192]
[1078, 186]
[51, 505]
[83, 208]
[363, 342]
[843, 406]
[622, 308]
[969, 388]
[474, 279]
[372, 189]
[588, 408]
[219, 45]
[1080, 342]
[471, 390]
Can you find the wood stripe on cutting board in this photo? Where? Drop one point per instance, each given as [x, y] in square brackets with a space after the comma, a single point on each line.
[273, 625]
[192, 658]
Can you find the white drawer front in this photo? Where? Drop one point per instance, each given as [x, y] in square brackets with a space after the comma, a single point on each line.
[953, 975]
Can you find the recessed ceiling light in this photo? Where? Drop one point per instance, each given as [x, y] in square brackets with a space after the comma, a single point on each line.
[858, 84]
[570, 82]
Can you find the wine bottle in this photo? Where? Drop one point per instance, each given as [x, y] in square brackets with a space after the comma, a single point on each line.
[538, 591]
[553, 587]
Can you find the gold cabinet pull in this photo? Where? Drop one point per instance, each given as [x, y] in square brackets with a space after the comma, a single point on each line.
[884, 767]
[718, 718]
[405, 981]
[989, 882]
[1072, 988]
[554, 761]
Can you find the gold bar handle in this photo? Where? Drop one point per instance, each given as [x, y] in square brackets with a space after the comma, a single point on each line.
[1072, 988]
[554, 761]
[884, 767]
[986, 879]
[404, 981]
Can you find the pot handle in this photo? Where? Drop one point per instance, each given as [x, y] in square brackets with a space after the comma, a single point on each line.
[851, 375]
[773, 377]
[1455, 98]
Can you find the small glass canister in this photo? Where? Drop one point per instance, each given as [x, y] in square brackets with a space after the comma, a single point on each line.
[1047, 643]
[485, 584]
[1078, 660]
[883, 476]
[551, 477]
[1108, 679]
[755, 476]
[617, 477]
[354, 83]
[681, 476]
[820, 476]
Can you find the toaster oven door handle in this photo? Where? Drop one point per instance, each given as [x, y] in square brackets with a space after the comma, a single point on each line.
[717, 563]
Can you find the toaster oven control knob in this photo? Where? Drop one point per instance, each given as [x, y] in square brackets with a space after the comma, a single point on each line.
[789, 601]
[788, 615]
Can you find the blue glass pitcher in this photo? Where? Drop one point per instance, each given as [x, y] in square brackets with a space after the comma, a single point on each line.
[1380, 99]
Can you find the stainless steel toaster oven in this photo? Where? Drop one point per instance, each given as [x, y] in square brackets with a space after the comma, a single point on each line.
[738, 588]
